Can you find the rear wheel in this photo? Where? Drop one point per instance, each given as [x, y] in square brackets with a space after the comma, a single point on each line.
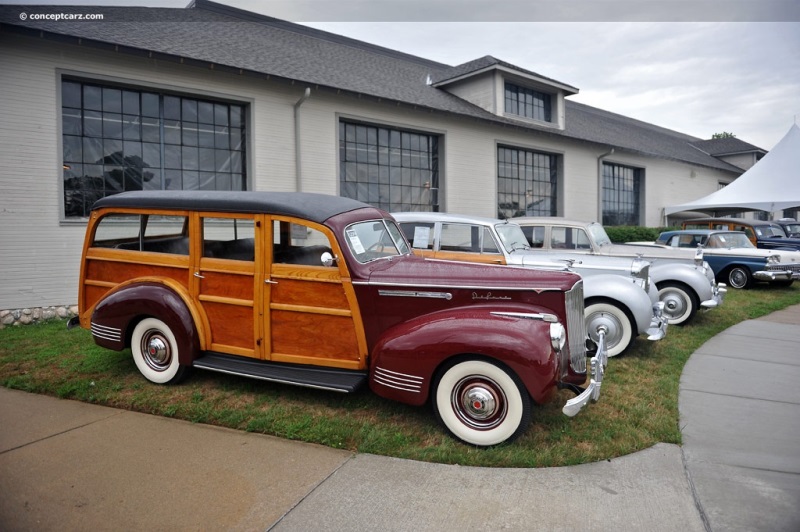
[481, 403]
[619, 326]
[155, 352]
[680, 302]
[739, 277]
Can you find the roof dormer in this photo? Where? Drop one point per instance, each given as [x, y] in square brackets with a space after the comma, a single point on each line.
[507, 90]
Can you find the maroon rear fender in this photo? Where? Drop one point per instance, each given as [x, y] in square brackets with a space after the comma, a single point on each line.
[407, 356]
[116, 315]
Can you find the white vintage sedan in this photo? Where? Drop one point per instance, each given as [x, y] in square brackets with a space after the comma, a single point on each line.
[619, 296]
[684, 280]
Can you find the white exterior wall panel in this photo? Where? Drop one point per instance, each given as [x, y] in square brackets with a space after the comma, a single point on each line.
[41, 252]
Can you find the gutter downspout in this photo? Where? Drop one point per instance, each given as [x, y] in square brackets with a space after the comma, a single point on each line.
[297, 162]
[600, 183]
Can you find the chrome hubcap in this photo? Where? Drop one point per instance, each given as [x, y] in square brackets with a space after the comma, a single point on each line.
[738, 278]
[612, 325]
[156, 350]
[675, 305]
[479, 402]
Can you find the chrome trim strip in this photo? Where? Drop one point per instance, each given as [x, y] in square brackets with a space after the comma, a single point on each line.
[398, 381]
[415, 285]
[414, 293]
[106, 333]
[549, 318]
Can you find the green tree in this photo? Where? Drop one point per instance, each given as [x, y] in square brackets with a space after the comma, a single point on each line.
[723, 135]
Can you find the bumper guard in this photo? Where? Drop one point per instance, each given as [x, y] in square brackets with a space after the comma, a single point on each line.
[592, 392]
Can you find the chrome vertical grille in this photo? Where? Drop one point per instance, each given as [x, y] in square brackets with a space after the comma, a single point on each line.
[576, 328]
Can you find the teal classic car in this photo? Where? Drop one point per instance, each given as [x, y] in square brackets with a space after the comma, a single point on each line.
[734, 259]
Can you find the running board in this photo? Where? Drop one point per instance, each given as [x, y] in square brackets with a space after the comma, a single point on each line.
[338, 380]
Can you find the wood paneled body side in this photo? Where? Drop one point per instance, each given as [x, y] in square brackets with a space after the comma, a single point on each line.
[105, 269]
[313, 315]
[229, 291]
[470, 257]
[228, 299]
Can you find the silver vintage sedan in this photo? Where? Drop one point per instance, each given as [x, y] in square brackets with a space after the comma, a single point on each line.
[619, 297]
[684, 279]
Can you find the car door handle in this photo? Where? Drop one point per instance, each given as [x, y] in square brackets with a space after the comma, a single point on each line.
[197, 274]
[270, 281]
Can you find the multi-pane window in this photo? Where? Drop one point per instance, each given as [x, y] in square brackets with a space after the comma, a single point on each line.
[389, 168]
[527, 183]
[621, 195]
[117, 139]
[527, 102]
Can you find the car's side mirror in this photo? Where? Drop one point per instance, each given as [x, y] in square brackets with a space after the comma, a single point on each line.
[327, 259]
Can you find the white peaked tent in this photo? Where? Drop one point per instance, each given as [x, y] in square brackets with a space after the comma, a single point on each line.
[772, 184]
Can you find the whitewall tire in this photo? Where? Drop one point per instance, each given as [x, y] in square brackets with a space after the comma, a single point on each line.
[618, 325]
[155, 352]
[481, 403]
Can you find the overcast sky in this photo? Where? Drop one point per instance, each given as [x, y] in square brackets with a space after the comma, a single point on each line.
[696, 66]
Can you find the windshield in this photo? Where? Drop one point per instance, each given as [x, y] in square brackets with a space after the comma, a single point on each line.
[511, 236]
[599, 234]
[729, 240]
[375, 239]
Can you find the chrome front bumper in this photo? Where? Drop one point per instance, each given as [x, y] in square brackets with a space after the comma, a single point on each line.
[659, 323]
[773, 275]
[598, 369]
[719, 291]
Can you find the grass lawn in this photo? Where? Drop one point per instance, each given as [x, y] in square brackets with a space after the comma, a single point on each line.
[638, 406]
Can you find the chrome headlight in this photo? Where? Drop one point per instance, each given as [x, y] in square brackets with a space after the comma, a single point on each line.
[558, 336]
[773, 259]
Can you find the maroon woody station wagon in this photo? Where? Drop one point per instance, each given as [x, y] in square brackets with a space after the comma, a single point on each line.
[323, 291]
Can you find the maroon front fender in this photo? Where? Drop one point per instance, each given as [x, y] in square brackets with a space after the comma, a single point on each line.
[405, 359]
[115, 316]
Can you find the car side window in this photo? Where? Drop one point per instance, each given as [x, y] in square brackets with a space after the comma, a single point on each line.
[157, 234]
[228, 238]
[458, 237]
[466, 238]
[569, 238]
[295, 243]
[535, 235]
[420, 234]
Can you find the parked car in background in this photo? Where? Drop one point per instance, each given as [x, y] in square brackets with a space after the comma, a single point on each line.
[685, 282]
[619, 297]
[323, 291]
[734, 259]
[763, 234]
[790, 226]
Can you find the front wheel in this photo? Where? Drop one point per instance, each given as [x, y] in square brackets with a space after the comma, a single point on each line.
[618, 325]
[155, 352]
[739, 277]
[680, 302]
[481, 403]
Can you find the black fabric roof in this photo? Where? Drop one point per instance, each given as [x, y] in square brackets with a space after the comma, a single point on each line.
[314, 207]
[210, 34]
